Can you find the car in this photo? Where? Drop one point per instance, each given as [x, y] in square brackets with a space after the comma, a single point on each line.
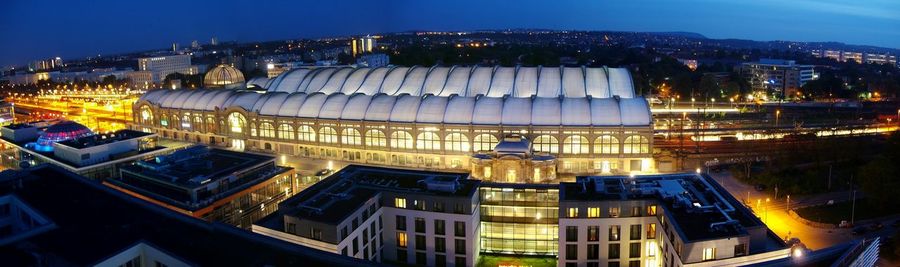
[760, 187]
[859, 230]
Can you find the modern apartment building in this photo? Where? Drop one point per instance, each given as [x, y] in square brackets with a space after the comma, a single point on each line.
[162, 66]
[777, 77]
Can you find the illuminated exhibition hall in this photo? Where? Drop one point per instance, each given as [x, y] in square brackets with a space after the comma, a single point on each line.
[577, 120]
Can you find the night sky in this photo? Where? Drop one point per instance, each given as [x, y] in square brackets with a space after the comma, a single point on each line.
[75, 29]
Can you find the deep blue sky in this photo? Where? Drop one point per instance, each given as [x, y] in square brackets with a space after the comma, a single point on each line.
[74, 29]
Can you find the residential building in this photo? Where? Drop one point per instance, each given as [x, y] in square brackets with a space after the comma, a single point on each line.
[776, 77]
[162, 66]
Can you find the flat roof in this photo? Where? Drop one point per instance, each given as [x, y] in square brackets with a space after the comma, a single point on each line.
[194, 173]
[693, 202]
[95, 222]
[102, 139]
[356, 184]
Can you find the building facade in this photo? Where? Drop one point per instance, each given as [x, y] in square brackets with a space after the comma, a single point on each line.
[776, 77]
[162, 66]
[422, 117]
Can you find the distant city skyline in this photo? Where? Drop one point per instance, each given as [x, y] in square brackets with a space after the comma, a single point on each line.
[73, 30]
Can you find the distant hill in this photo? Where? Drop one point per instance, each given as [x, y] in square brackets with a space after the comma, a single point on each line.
[693, 35]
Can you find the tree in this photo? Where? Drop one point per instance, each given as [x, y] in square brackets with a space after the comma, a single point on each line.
[709, 86]
[881, 176]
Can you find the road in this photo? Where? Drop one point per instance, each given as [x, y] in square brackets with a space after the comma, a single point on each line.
[774, 214]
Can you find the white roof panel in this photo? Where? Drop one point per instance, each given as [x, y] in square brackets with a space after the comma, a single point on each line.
[354, 81]
[290, 80]
[545, 111]
[380, 107]
[292, 105]
[336, 81]
[526, 82]
[576, 112]
[356, 107]
[516, 111]
[457, 81]
[549, 82]
[573, 82]
[434, 84]
[635, 111]
[373, 81]
[333, 106]
[460, 110]
[273, 104]
[406, 108]
[394, 80]
[195, 96]
[432, 109]
[320, 79]
[414, 80]
[480, 81]
[605, 112]
[502, 83]
[620, 83]
[487, 110]
[595, 82]
[312, 106]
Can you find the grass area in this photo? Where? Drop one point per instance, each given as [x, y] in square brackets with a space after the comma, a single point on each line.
[841, 211]
[520, 261]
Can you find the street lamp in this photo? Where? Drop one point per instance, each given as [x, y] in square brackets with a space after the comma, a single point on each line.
[767, 210]
[692, 101]
[778, 113]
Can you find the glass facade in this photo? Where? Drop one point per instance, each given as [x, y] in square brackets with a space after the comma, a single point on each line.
[519, 219]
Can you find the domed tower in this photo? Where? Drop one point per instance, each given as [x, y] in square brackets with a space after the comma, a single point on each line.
[224, 76]
[66, 130]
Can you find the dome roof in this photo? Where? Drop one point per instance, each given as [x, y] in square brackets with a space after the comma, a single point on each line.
[66, 130]
[223, 76]
[67, 127]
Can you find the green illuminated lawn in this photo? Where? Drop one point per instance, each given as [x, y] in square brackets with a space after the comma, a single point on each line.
[520, 261]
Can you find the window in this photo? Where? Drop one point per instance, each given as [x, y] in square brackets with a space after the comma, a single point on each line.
[376, 138]
[421, 259]
[350, 136]
[328, 135]
[572, 233]
[634, 250]
[401, 239]
[420, 225]
[456, 142]
[440, 244]
[485, 142]
[614, 233]
[546, 143]
[635, 211]
[356, 244]
[266, 130]
[440, 260]
[636, 144]
[651, 231]
[572, 213]
[344, 232]
[459, 229]
[400, 202]
[428, 141]
[606, 144]
[651, 210]
[292, 228]
[306, 133]
[709, 254]
[593, 233]
[593, 212]
[651, 249]
[401, 139]
[146, 115]
[286, 132]
[420, 242]
[401, 256]
[315, 234]
[401, 222]
[438, 206]
[635, 232]
[439, 227]
[460, 262]
[186, 122]
[613, 264]
[740, 250]
[635, 263]
[593, 251]
[614, 212]
[614, 251]
[571, 252]
[236, 122]
[460, 246]
[576, 144]
[419, 204]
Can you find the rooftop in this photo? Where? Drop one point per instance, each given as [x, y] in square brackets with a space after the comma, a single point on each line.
[105, 221]
[102, 139]
[330, 200]
[196, 166]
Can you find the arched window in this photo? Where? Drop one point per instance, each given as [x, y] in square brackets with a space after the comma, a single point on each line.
[164, 120]
[328, 135]
[546, 143]
[174, 122]
[456, 142]
[401, 139]
[266, 130]
[350, 136]
[210, 124]
[146, 115]
[237, 122]
[253, 130]
[576, 144]
[198, 123]
[286, 132]
[606, 144]
[306, 133]
[636, 144]
[185, 122]
[428, 141]
[375, 138]
[485, 142]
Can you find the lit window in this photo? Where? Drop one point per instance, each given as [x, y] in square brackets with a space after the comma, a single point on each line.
[401, 239]
[651, 231]
[636, 144]
[350, 136]
[236, 122]
[401, 139]
[606, 144]
[146, 115]
[546, 143]
[576, 144]
[651, 210]
[428, 141]
[286, 132]
[375, 138]
[456, 142]
[306, 133]
[400, 203]
[593, 212]
[485, 142]
[709, 254]
[573, 213]
[266, 130]
[614, 212]
[328, 135]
